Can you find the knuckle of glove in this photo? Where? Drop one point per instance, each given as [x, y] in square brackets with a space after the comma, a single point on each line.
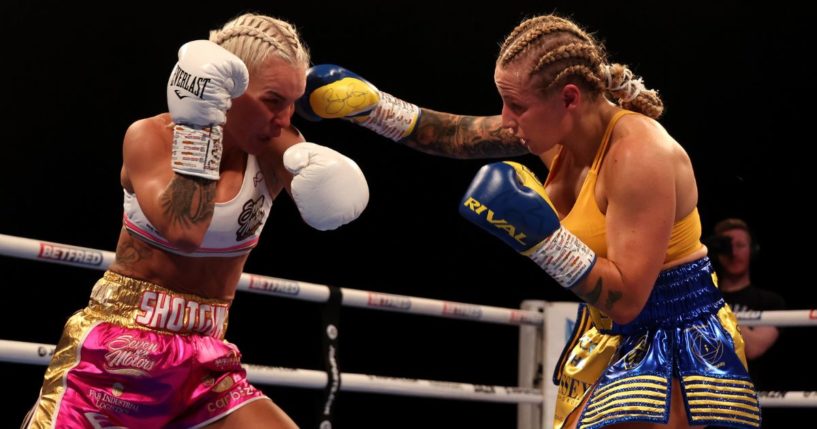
[330, 190]
[236, 77]
[499, 204]
[241, 78]
[335, 92]
[295, 159]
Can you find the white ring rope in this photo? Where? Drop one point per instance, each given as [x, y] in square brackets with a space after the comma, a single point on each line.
[35, 353]
[791, 399]
[85, 257]
[778, 317]
[40, 354]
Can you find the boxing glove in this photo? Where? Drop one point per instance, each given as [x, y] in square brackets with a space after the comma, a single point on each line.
[199, 92]
[508, 200]
[334, 92]
[328, 188]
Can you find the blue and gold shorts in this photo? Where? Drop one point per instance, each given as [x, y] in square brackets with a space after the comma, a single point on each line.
[685, 331]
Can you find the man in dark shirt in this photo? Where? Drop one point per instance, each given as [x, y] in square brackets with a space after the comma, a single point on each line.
[734, 249]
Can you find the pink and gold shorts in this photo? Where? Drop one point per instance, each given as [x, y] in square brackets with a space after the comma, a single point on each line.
[141, 356]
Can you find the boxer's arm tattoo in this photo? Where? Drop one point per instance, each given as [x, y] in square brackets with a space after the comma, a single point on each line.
[459, 136]
[189, 200]
[612, 297]
[130, 251]
[593, 295]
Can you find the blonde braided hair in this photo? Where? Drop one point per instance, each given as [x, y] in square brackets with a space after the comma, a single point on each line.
[560, 52]
[253, 38]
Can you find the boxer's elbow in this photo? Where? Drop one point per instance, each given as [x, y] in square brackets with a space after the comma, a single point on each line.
[184, 240]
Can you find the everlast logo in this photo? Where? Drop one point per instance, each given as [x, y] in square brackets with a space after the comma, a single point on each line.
[479, 208]
[188, 82]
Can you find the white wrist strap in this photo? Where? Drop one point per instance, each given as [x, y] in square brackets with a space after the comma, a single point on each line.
[392, 117]
[564, 257]
[197, 152]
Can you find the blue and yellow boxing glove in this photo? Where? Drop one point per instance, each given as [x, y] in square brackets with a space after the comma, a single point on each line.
[508, 200]
[334, 92]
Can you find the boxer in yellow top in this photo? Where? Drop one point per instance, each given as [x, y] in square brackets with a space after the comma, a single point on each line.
[615, 222]
[149, 351]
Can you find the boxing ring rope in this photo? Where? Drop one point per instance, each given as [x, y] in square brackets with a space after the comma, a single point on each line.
[533, 319]
[40, 354]
[778, 317]
[85, 257]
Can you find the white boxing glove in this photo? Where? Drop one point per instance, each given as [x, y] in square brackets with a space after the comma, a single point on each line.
[203, 83]
[199, 92]
[328, 188]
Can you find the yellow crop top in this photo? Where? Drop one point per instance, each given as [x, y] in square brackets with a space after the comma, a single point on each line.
[587, 222]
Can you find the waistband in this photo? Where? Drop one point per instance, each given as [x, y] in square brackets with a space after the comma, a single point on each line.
[139, 304]
[681, 294]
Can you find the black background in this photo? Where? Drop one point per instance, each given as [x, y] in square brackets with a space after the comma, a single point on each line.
[738, 95]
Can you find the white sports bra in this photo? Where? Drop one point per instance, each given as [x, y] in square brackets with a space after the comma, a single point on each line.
[234, 229]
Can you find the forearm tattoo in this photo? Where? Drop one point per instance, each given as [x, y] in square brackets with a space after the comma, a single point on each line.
[593, 295]
[612, 297]
[459, 136]
[189, 200]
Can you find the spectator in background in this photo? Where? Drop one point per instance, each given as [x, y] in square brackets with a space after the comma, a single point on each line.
[734, 250]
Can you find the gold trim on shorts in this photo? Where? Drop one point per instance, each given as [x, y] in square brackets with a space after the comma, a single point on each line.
[139, 304]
